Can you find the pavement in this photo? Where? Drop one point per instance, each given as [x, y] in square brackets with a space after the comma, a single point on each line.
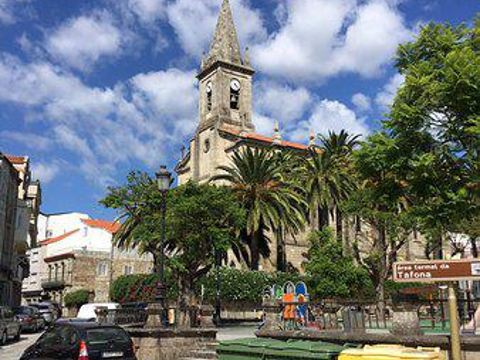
[236, 332]
[14, 349]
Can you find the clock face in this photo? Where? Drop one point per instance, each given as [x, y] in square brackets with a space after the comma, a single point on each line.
[209, 87]
[235, 84]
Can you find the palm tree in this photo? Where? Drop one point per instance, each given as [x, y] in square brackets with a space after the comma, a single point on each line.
[271, 201]
[326, 179]
[340, 148]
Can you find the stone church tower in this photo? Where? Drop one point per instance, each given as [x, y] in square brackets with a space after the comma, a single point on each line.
[225, 126]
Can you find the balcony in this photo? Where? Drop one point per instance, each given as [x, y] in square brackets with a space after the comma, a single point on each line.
[53, 284]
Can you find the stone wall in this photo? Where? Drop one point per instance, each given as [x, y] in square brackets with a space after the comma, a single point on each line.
[160, 344]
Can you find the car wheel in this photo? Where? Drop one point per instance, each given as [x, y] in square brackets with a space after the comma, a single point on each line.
[4, 338]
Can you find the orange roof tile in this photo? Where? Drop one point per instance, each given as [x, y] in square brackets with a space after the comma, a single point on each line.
[269, 140]
[111, 227]
[58, 238]
[16, 159]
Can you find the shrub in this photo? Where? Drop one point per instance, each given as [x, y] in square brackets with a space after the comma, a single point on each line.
[140, 288]
[77, 298]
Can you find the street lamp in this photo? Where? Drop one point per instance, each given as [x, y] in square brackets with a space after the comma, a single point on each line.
[163, 181]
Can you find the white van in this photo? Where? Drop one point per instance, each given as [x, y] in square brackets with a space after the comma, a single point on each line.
[88, 311]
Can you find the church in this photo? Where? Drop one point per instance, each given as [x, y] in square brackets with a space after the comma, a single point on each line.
[225, 126]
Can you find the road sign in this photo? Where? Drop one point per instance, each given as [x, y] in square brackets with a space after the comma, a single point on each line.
[436, 270]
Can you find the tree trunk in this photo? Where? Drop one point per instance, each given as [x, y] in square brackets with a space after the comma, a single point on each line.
[254, 248]
[322, 218]
[473, 241]
[339, 225]
[281, 256]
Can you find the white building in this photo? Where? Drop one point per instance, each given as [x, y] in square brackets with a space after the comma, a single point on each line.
[76, 252]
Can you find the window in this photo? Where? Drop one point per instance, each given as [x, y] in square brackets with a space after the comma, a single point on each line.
[209, 96]
[102, 269]
[128, 270]
[49, 234]
[85, 231]
[235, 94]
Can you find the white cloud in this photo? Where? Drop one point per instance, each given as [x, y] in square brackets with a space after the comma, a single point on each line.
[45, 172]
[81, 42]
[322, 38]
[384, 98]
[361, 102]
[194, 23]
[282, 102]
[327, 116]
[263, 124]
[148, 11]
[29, 140]
[10, 10]
[104, 128]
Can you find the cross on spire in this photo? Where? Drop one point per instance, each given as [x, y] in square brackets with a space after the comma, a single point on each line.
[225, 46]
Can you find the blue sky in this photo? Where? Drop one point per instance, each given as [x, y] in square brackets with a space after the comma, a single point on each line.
[91, 89]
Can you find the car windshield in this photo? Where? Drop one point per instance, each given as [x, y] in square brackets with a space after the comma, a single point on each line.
[105, 335]
[42, 307]
[23, 311]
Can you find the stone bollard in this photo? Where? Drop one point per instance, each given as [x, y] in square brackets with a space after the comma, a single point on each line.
[206, 317]
[406, 322]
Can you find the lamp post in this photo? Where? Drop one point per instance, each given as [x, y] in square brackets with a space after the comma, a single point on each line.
[163, 177]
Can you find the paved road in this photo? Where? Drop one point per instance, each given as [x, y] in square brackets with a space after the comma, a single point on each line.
[14, 349]
[236, 332]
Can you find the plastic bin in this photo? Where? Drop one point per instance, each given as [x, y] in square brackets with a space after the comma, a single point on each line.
[391, 352]
[299, 349]
[244, 349]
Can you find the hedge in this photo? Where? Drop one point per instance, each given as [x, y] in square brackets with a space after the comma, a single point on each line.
[76, 298]
[140, 288]
[236, 285]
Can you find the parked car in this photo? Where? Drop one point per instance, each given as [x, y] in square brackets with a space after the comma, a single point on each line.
[89, 311]
[9, 326]
[48, 312]
[30, 318]
[87, 340]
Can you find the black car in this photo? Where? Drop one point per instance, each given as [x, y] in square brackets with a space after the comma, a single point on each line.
[30, 318]
[82, 341]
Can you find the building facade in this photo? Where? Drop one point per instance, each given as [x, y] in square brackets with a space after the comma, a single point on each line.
[8, 215]
[77, 253]
[225, 126]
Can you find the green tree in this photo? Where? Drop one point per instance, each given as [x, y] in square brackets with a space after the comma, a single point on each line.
[339, 147]
[333, 274]
[326, 182]
[267, 196]
[379, 202]
[201, 219]
[76, 299]
[138, 205]
[435, 124]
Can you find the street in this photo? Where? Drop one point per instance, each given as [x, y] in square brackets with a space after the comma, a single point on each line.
[14, 349]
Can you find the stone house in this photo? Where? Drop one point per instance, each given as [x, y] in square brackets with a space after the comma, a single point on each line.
[8, 211]
[225, 126]
[77, 253]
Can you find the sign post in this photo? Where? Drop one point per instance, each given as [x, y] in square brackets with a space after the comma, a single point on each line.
[441, 271]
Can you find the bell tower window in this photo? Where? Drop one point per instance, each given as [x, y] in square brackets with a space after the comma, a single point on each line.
[209, 96]
[235, 88]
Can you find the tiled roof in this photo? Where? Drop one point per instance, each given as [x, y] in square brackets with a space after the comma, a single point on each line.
[269, 140]
[58, 238]
[16, 159]
[59, 257]
[111, 227]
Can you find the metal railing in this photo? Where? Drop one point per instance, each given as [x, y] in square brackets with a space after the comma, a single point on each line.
[331, 315]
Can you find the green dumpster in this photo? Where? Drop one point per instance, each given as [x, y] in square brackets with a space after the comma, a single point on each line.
[244, 349]
[301, 349]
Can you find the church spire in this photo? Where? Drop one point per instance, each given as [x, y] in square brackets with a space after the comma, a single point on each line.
[225, 46]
